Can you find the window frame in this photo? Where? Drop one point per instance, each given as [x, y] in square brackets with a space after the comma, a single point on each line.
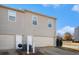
[33, 20]
[13, 15]
[49, 22]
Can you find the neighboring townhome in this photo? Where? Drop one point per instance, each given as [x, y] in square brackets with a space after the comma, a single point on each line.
[76, 34]
[17, 25]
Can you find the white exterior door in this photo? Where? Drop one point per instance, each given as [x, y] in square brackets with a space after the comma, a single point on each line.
[29, 42]
[18, 41]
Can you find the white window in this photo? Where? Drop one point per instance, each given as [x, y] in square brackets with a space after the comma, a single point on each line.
[49, 24]
[12, 15]
[34, 20]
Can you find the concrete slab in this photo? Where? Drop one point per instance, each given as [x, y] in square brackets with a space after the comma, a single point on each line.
[57, 51]
[8, 52]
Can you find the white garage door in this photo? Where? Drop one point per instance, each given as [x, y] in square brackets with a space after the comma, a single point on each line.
[7, 42]
[43, 41]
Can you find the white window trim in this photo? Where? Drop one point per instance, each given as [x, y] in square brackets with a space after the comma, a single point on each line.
[9, 15]
[48, 23]
[36, 20]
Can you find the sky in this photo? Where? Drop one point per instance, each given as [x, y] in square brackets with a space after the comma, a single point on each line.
[67, 15]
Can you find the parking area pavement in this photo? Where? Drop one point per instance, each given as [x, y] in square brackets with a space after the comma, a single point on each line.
[57, 51]
[8, 52]
[17, 52]
[43, 51]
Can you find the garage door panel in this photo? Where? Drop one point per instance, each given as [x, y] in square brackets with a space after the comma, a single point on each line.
[7, 42]
[43, 41]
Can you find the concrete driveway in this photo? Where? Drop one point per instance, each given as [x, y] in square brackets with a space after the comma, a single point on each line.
[43, 51]
[8, 52]
[57, 51]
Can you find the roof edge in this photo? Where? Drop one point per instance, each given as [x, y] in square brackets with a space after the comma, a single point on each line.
[27, 11]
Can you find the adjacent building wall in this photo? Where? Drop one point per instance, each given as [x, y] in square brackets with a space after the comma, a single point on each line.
[76, 34]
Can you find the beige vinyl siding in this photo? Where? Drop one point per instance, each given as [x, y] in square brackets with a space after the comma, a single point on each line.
[7, 27]
[42, 27]
[23, 26]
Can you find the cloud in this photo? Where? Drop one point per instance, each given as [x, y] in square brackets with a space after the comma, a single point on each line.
[56, 5]
[75, 8]
[49, 5]
[45, 5]
[66, 29]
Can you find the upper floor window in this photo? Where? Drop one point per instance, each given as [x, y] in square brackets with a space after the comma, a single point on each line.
[12, 15]
[34, 20]
[49, 24]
